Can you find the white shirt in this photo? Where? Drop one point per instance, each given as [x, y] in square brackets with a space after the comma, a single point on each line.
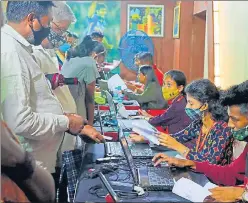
[30, 109]
[48, 62]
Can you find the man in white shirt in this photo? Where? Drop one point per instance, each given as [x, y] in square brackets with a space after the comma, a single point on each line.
[47, 60]
[30, 108]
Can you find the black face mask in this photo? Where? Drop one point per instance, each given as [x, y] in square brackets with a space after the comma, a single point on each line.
[41, 34]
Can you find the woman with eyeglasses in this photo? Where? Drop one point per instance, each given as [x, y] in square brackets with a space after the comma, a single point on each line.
[81, 62]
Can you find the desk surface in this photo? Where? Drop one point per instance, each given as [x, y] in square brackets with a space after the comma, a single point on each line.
[95, 151]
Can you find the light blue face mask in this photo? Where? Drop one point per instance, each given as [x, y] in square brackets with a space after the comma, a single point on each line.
[64, 47]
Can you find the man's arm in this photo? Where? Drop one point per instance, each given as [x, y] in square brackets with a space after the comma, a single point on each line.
[16, 109]
[226, 175]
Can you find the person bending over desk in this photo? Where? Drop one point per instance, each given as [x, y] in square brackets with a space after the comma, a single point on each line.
[152, 97]
[174, 119]
[236, 99]
[211, 137]
[81, 63]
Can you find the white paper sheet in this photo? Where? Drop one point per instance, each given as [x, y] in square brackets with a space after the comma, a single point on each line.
[190, 190]
[210, 185]
[145, 129]
[116, 81]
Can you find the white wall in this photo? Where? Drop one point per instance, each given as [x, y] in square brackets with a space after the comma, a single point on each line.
[233, 27]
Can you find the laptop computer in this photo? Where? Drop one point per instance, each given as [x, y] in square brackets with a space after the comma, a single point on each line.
[109, 188]
[148, 177]
[125, 124]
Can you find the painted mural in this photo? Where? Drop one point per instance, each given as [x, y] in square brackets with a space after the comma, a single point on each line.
[103, 16]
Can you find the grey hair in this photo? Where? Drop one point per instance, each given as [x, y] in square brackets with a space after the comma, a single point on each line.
[18, 10]
[62, 11]
[244, 109]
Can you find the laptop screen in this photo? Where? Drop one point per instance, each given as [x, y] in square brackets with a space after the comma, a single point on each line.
[111, 103]
[129, 158]
[109, 187]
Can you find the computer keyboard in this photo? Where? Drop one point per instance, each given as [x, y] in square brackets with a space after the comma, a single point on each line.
[160, 178]
[114, 149]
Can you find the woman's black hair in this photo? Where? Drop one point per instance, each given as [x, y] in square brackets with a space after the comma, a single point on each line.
[205, 91]
[148, 71]
[178, 77]
[85, 48]
[99, 49]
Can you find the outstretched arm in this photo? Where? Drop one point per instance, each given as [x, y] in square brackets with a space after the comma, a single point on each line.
[92, 9]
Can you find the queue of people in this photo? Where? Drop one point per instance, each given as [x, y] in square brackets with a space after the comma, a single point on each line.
[41, 115]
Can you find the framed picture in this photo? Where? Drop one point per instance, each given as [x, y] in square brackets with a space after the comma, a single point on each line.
[176, 22]
[147, 18]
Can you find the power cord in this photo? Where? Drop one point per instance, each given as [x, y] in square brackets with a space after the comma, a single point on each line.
[99, 192]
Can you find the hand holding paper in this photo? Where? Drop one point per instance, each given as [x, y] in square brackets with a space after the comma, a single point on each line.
[142, 127]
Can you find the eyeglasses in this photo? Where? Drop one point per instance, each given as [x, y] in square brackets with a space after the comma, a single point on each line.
[63, 33]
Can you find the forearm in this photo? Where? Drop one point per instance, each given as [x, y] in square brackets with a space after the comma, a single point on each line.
[218, 174]
[39, 126]
[183, 150]
[90, 113]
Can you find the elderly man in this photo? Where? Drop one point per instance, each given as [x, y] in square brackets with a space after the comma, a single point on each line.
[30, 109]
[46, 59]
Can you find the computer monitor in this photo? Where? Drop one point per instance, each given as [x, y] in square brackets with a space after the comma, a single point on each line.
[129, 158]
[108, 187]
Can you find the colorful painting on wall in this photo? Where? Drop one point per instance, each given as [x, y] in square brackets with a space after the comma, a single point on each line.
[103, 16]
[147, 18]
[176, 22]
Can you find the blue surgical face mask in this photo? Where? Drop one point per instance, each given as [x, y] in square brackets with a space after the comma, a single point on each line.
[64, 47]
[194, 114]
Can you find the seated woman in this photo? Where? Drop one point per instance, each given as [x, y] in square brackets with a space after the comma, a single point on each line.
[144, 59]
[81, 63]
[152, 97]
[233, 174]
[174, 119]
[213, 137]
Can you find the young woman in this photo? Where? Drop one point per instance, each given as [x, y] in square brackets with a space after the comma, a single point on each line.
[175, 118]
[81, 63]
[236, 98]
[151, 97]
[213, 137]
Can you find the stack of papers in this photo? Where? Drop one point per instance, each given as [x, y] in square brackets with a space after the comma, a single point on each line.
[116, 81]
[142, 127]
[192, 191]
